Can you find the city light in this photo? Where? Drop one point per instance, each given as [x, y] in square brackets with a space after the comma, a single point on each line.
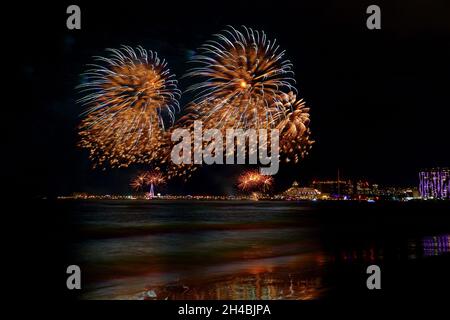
[435, 183]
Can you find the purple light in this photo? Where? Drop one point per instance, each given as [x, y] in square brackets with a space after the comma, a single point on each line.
[437, 245]
[435, 183]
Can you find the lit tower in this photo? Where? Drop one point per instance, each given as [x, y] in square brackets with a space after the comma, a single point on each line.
[152, 191]
[434, 183]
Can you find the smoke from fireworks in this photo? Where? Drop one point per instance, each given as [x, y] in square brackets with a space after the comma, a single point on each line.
[254, 181]
[127, 96]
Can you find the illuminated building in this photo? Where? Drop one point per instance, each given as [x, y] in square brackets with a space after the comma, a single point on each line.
[301, 193]
[363, 188]
[152, 191]
[434, 183]
[334, 188]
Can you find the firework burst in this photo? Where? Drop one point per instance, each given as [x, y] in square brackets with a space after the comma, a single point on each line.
[139, 182]
[154, 177]
[243, 80]
[294, 133]
[147, 178]
[129, 96]
[254, 181]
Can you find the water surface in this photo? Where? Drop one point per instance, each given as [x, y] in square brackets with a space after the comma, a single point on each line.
[246, 250]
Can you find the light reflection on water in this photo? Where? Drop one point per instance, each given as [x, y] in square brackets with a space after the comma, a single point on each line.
[260, 286]
[218, 251]
[436, 245]
[287, 277]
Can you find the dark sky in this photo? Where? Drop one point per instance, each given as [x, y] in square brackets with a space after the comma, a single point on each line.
[379, 99]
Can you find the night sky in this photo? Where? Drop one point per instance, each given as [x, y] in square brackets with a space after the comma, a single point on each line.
[379, 99]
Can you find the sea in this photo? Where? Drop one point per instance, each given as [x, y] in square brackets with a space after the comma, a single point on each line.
[252, 250]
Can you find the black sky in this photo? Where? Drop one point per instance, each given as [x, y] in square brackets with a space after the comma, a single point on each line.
[379, 99]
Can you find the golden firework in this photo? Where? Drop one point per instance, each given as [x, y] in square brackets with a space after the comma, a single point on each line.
[242, 80]
[139, 182]
[129, 97]
[294, 133]
[245, 82]
[147, 178]
[253, 181]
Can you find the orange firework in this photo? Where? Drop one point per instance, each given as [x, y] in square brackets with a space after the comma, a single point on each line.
[139, 182]
[243, 79]
[294, 133]
[253, 180]
[128, 98]
[147, 178]
[155, 178]
[245, 82]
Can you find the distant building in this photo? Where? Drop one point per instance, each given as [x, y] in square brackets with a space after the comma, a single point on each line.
[434, 183]
[300, 193]
[334, 188]
[364, 189]
[398, 193]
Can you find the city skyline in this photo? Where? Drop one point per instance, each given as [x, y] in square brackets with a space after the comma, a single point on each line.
[333, 188]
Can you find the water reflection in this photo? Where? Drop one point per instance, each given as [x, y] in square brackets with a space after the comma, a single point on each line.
[436, 245]
[298, 277]
[367, 255]
[260, 286]
[220, 251]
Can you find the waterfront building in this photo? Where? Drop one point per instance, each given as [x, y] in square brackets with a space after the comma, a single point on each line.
[300, 193]
[434, 183]
[340, 188]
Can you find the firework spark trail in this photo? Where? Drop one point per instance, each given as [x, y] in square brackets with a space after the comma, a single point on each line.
[147, 178]
[243, 81]
[139, 182]
[254, 181]
[127, 96]
[243, 78]
[294, 133]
